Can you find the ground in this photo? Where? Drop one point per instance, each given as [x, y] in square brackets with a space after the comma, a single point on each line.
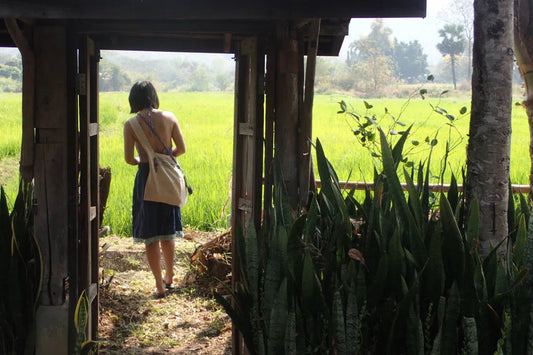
[131, 321]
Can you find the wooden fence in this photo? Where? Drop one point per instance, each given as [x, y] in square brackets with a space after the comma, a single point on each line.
[348, 185]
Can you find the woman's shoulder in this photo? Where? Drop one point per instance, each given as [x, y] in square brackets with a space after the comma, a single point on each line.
[168, 115]
[131, 119]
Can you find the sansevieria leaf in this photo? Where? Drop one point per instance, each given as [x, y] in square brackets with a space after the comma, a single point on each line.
[452, 242]
[278, 321]
[310, 284]
[338, 322]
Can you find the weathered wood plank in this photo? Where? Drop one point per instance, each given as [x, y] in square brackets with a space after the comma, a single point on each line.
[50, 223]
[51, 192]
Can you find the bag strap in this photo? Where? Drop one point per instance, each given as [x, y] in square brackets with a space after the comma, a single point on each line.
[154, 132]
[143, 140]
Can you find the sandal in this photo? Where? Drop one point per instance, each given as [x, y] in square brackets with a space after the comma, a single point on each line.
[158, 296]
[169, 287]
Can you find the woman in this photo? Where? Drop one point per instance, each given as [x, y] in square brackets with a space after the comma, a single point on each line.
[154, 223]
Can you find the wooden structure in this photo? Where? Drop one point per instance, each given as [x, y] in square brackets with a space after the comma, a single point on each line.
[60, 41]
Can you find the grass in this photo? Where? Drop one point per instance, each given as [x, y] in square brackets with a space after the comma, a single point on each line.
[131, 321]
[207, 122]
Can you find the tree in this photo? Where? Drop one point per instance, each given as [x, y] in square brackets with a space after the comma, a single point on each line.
[453, 44]
[523, 45]
[113, 78]
[411, 62]
[488, 152]
[370, 57]
[378, 40]
[462, 13]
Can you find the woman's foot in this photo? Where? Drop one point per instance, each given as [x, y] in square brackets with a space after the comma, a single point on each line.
[158, 295]
[168, 281]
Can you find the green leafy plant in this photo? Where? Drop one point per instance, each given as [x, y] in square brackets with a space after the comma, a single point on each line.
[20, 273]
[393, 273]
[83, 346]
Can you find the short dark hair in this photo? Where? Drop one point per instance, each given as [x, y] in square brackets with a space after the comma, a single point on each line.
[143, 95]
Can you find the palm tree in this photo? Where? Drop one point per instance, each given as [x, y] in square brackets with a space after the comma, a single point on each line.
[453, 44]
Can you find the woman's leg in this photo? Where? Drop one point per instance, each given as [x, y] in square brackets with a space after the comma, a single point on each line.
[153, 255]
[167, 246]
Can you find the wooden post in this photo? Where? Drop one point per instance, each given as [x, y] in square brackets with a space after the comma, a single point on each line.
[305, 170]
[286, 131]
[53, 189]
[270, 113]
[247, 150]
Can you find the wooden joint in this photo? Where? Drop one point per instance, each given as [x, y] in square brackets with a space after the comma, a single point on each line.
[244, 205]
[246, 129]
[93, 129]
[92, 213]
[92, 291]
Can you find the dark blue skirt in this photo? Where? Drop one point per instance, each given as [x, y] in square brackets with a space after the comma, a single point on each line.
[152, 221]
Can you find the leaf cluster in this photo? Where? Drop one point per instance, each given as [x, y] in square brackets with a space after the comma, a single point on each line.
[388, 274]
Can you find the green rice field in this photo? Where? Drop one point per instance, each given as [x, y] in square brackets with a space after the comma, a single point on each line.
[207, 123]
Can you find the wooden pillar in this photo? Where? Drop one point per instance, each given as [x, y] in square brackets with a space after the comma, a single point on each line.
[87, 253]
[55, 184]
[270, 118]
[293, 108]
[286, 129]
[306, 178]
[247, 149]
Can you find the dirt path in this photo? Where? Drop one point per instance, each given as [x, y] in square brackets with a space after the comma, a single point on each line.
[187, 321]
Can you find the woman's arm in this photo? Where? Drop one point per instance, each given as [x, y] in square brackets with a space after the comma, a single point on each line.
[177, 137]
[129, 145]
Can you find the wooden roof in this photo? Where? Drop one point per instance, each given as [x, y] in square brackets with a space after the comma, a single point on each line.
[199, 25]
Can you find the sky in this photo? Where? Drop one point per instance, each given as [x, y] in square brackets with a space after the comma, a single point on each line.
[425, 30]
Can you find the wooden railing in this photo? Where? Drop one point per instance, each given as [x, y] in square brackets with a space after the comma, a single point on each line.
[348, 185]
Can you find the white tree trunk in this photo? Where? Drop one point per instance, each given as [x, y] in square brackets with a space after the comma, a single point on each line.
[488, 152]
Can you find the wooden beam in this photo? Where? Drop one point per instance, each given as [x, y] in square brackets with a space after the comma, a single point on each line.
[154, 43]
[244, 27]
[210, 10]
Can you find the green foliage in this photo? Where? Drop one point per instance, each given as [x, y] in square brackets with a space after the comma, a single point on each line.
[10, 74]
[81, 314]
[207, 122]
[20, 273]
[453, 40]
[411, 62]
[391, 273]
